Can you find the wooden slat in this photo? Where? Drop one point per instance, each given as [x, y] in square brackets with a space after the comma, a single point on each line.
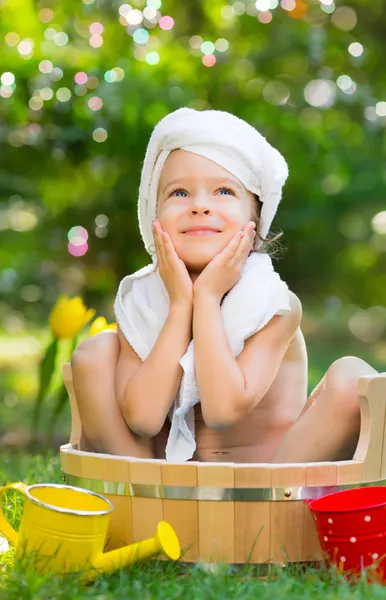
[120, 530]
[146, 512]
[182, 514]
[76, 425]
[317, 475]
[372, 398]
[216, 519]
[252, 519]
[349, 471]
[91, 465]
[321, 474]
[74, 464]
[287, 518]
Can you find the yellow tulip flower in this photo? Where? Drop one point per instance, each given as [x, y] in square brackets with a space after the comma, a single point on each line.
[100, 324]
[68, 317]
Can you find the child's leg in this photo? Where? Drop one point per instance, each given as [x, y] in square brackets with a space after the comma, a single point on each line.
[104, 429]
[328, 428]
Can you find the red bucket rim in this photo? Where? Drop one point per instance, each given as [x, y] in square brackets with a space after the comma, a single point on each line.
[344, 509]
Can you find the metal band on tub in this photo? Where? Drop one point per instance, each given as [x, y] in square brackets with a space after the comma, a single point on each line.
[216, 494]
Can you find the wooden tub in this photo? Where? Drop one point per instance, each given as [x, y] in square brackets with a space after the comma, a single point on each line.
[228, 512]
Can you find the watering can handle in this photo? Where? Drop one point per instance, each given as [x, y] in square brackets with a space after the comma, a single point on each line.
[5, 527]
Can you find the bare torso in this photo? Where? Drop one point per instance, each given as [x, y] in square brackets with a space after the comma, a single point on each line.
[255, 438]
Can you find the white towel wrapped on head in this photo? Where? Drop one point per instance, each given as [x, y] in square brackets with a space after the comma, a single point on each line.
[142, 303]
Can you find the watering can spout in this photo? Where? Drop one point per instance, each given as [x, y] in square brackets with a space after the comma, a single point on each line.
[165, 541]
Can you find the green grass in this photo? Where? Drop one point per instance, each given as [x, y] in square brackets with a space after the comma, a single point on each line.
[157, 579]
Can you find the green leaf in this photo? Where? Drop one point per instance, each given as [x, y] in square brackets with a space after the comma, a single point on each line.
[61, 399]
[47, 368]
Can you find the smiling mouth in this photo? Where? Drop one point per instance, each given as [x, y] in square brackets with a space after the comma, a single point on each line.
[202, 232]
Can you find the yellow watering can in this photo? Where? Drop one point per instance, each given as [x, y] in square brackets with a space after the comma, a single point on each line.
[64, 529]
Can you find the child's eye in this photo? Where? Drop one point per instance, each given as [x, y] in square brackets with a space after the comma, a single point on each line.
[227, 190]
[177, 190]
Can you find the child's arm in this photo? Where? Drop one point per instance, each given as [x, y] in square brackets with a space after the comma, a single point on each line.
[151, 387]
[230, 388]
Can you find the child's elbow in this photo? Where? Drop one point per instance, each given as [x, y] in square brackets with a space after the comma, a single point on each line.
[144, 426]
[224, 419]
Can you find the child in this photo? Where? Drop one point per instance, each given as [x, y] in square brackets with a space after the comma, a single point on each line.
[209, 362]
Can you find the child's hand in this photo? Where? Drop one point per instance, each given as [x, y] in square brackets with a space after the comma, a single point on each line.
[172, 269]
[225, 269]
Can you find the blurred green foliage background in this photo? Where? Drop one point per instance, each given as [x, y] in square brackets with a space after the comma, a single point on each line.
[84, 82]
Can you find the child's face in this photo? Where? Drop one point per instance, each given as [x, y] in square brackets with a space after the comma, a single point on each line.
[195, 191]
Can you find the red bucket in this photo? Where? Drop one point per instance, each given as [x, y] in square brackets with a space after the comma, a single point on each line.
[351, 526]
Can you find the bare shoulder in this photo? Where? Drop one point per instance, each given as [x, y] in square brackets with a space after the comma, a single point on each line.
[296, 307]
[279, 331]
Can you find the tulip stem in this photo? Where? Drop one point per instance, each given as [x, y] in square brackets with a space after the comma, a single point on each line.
[47, 368]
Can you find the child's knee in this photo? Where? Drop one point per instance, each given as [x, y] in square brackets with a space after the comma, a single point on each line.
[342, 383]
[95, 352]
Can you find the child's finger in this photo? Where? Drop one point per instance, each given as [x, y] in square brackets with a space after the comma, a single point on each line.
[244, 246]
[159, 242]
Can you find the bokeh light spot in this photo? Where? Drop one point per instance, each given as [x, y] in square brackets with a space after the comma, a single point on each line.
[263, 5]
[7, 78]
[99, 135]
[209, 60]
[344, 18]
[96, 28]
[46, 15]
[12, 38]
[63, 94]
[196, 42]
[101, 232]
[141, 36]
[265, 17]
[25, 47]
[35, 103]
[320, 93]
[346, 84]
[378, 223]
[355, 49]
[60, 39]
[101, 220]
[380, 109]
[221, 45]
[154, 3]
[152, 58]
[276, 93]
[80, 77]
[96, 41]
[124, 9]
[92, 82]
[77, 235]
[166, 23]
[207, 47]
[46, 93]
[238, 8]
[95, 103]
[6, 91]
[45, 66]
[119, 73]
[56, 74]
[77, 250]
[134, 17]
[150, 13]
[288, 4]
